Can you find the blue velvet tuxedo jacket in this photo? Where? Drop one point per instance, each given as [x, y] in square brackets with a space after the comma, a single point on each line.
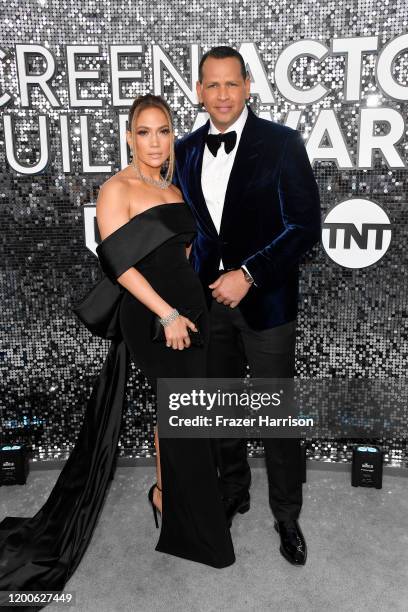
[271, 216]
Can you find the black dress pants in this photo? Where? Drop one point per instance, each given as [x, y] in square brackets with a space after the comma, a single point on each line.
[270, 353]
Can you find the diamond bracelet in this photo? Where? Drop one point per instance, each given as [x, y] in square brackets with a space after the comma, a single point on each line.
[173, 315]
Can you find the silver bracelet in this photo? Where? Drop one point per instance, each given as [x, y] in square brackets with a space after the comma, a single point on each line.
[173, 315]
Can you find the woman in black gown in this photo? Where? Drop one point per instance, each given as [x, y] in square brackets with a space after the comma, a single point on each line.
[145, 229]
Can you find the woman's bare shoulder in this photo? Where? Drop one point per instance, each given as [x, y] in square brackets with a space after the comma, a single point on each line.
[121, 186]
[114, 186]
[112, 205]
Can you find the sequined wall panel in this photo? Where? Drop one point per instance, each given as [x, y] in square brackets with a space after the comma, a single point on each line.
[351, 322]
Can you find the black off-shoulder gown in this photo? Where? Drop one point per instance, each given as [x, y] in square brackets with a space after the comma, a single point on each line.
[42, 552]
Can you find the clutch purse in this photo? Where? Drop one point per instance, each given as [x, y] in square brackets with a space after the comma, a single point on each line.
[196, 338]
[99, 309]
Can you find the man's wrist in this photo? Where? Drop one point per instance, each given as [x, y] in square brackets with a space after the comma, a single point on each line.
[249, 279]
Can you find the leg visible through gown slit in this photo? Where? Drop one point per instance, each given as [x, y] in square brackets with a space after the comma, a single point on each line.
[193, 522]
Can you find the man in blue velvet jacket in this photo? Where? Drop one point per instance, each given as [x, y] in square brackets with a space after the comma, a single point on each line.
[251, 188]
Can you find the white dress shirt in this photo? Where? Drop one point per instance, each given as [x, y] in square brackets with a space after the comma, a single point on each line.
[216, 171]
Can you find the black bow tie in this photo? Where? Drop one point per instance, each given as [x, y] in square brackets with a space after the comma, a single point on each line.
[214, 142]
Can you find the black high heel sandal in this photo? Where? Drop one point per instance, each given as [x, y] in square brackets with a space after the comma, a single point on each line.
[150, 498]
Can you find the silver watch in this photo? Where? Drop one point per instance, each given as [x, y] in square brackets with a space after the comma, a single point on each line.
[247, 276]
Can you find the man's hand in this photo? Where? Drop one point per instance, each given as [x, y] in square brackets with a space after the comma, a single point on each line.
[230, 288]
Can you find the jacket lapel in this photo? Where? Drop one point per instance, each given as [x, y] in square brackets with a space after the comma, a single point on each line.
[248, 154]
[195, 169]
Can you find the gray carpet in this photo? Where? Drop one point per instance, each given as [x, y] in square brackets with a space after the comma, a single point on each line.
[357, 551]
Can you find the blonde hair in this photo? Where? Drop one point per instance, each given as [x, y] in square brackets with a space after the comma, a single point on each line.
[140, 104]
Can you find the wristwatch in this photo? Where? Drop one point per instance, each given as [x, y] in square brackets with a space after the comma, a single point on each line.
[247, 276]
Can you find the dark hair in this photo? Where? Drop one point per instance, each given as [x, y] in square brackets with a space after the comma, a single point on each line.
[140, 104]
[221, 53]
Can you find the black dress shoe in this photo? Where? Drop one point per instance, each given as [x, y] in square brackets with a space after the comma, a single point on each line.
[233, 505]
[293, 545]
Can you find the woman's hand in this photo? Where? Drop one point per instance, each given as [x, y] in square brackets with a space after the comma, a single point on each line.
[176, 333]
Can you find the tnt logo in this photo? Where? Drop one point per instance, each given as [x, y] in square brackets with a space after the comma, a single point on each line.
[356, 233]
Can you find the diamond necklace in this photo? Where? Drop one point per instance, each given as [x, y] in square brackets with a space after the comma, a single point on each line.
[161, 183]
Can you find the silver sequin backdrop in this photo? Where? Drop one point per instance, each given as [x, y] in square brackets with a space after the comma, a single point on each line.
[336, 71]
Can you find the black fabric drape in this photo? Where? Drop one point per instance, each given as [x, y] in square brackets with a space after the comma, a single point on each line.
[42, 552]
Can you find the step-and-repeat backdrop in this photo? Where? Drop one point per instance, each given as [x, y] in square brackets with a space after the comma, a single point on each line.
[335, 71]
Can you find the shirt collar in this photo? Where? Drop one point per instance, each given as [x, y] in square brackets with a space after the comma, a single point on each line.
[237, 126]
